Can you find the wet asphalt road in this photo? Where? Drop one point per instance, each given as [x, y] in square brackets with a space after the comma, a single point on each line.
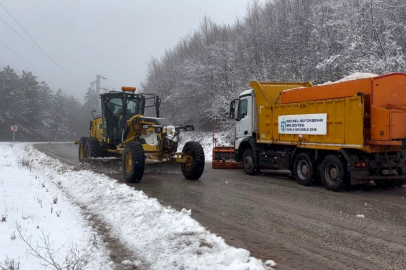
[275, 218]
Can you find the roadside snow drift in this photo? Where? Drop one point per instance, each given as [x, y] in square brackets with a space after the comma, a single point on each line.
[161, 237]
[34, 210]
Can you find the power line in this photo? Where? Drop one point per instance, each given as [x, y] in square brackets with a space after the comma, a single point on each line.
[20, 56]
[24, 30]
[44, 52]
[22, 37]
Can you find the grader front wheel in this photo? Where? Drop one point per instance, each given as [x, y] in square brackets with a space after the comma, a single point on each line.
[133, 162]
[193, 168]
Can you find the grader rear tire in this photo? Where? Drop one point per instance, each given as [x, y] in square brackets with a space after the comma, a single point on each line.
[193, 168]
[93, 148]
[133, 162]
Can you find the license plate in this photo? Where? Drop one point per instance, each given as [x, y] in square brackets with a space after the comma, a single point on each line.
[389, 172]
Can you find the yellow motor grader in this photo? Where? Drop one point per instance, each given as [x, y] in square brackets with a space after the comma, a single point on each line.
[116, 134]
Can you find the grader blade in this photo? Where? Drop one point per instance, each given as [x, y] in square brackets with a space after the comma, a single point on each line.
[165, 167]
[101, 161]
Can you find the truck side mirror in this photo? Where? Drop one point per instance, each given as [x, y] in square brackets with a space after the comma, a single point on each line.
[232, 109]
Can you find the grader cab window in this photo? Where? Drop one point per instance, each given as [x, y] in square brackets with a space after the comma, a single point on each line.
[132, 107]
[117, 109]
[113, 109]
[115, 106]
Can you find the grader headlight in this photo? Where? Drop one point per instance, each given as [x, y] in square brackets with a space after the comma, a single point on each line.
[142, 126]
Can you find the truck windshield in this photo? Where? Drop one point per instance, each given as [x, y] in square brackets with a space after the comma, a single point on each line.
[242, 109]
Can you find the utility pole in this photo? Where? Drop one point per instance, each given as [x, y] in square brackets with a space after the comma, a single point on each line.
[97, 82]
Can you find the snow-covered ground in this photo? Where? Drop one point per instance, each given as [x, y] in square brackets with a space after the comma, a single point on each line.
[45, 220]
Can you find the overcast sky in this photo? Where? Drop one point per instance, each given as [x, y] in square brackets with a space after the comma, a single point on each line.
[113, 38]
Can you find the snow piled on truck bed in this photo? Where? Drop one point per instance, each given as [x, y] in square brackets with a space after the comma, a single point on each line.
[161, 237]
[352, 77]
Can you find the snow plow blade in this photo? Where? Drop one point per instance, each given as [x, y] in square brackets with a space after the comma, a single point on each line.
[151, 166]
[223, 158]
[100, 160]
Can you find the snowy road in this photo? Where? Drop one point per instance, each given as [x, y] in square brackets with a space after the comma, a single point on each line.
[273, 217]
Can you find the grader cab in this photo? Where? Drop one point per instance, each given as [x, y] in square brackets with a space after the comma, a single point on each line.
[120, 131]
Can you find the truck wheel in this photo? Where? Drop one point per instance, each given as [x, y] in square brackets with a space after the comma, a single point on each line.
[333, 174]
[92, 147]
[193, 168]
[248, 163]
[82, 148]
[133, 162]
[303, 170]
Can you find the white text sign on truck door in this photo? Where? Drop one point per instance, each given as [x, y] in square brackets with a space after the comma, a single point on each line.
[314, 124]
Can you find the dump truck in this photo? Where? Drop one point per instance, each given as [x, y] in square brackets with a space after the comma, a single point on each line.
[340, 133]
[119, 134]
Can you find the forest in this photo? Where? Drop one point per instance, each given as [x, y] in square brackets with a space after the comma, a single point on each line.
[280, 40]
[39, 113]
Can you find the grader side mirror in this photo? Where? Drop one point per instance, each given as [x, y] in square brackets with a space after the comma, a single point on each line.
[157, 104]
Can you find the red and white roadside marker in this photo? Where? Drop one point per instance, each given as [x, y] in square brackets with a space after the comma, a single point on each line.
[14, 129]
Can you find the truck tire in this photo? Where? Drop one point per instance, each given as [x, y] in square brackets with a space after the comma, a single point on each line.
[133, 162]
[248, 162]
[82, 148]
[93, 148]
[303, 170]
[332, 174]
[193, 168]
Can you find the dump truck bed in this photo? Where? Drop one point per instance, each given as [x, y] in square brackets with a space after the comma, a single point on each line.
[326, 124]
[366, 114]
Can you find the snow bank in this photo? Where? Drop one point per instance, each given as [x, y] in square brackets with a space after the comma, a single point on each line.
[162, 237]
[33, 206]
